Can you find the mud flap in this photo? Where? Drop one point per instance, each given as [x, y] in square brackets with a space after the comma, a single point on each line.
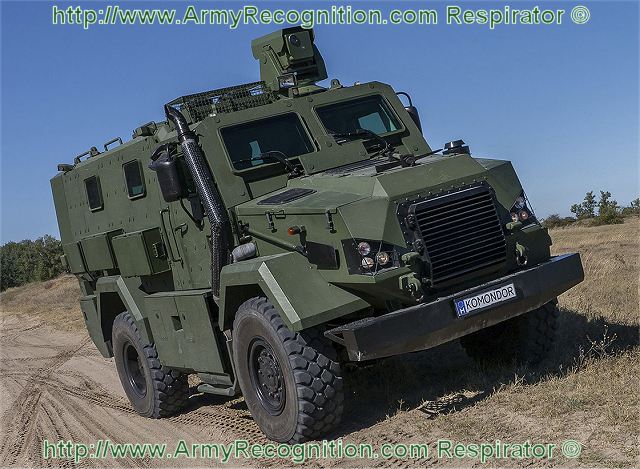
[88, 305]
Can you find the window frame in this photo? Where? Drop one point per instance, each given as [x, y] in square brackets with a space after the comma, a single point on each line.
[303, 125]
[126, 183]
[99, 188]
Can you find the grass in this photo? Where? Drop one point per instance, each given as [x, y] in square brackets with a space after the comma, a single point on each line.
[55, 302]
[610, 255]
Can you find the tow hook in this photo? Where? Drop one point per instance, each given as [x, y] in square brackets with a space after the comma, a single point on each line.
[521, 255]
[411, 283]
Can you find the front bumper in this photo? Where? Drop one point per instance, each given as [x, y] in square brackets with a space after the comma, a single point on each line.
[427, 325]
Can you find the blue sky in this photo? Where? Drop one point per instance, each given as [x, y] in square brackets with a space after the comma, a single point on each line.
[561, 102]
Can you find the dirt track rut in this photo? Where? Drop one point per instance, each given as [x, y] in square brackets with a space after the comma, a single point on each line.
[56, 386]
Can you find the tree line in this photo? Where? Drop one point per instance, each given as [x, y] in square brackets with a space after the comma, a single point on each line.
[595, 211]
[29, 261]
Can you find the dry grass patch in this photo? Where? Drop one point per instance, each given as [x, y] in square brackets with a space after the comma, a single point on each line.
[55, 302]
[610, 255]
[596, 405]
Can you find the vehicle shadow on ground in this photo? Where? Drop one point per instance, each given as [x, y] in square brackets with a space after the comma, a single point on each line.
[433, 381]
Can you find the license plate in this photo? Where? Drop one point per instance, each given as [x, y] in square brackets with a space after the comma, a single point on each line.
[485, 299]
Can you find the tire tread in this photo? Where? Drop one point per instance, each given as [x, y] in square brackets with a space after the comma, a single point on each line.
[170, 387]
[319, 382]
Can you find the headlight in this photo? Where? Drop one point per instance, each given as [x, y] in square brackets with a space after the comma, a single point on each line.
[521, 210]
[368, 263]
[364, 248]
[367, 257]
[382, 258]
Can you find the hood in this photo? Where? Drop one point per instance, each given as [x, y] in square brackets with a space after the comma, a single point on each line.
[395, 183]
[366, 200]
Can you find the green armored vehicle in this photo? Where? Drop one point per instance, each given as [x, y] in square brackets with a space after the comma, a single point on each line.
[266, 234]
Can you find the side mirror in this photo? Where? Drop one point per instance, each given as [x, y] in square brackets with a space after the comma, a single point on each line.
[456, 147]
[415, 117]
[164, 163]
[411, 110]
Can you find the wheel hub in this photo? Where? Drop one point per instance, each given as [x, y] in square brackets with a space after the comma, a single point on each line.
[267, 377]
[134, 370]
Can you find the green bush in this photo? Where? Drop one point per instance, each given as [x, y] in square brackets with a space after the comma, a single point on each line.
[586, 209]
[556, 221]
[608, 210]
[29, 260]
[633, 209]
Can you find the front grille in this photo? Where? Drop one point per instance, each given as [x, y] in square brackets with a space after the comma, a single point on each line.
[461, 233]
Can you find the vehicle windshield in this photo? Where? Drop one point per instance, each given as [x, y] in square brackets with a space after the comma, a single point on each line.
[369, 113]
[246, 143]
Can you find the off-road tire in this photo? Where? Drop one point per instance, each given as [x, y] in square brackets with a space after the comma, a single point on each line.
[311, 402]
[161, 391]
[527, 338]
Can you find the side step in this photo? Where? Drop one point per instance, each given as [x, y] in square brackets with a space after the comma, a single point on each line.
[221, 384]
[220, 391]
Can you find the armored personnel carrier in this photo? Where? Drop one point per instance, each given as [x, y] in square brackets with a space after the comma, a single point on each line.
[264, 235]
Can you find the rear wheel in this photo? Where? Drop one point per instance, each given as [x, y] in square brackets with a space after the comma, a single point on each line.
[527, 338]
[154, 390]
[291, 381]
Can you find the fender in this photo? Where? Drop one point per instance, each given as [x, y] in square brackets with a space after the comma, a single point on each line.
[297, 290]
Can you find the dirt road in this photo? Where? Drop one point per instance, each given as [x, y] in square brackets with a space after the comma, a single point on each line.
[56, 386]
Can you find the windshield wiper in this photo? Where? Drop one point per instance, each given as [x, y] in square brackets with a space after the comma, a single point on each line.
[404, 160]
[358, 133]
[274, 155]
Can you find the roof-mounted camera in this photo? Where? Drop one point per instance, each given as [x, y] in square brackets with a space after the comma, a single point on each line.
[289, 59]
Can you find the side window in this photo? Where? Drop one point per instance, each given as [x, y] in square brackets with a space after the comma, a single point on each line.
[94, 194]
[133, 178]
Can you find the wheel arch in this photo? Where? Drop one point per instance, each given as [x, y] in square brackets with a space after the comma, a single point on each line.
[109, 306]
[234, 296]
[300, 294]
[115, 295]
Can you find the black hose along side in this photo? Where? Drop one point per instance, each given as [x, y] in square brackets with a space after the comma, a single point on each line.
[209, 195]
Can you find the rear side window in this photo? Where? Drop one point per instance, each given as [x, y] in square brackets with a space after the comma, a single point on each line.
[94, 193]
[246, 143]
[133, 178]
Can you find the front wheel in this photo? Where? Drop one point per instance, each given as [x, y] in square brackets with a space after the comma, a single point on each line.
[291, 381]
[527, 338]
